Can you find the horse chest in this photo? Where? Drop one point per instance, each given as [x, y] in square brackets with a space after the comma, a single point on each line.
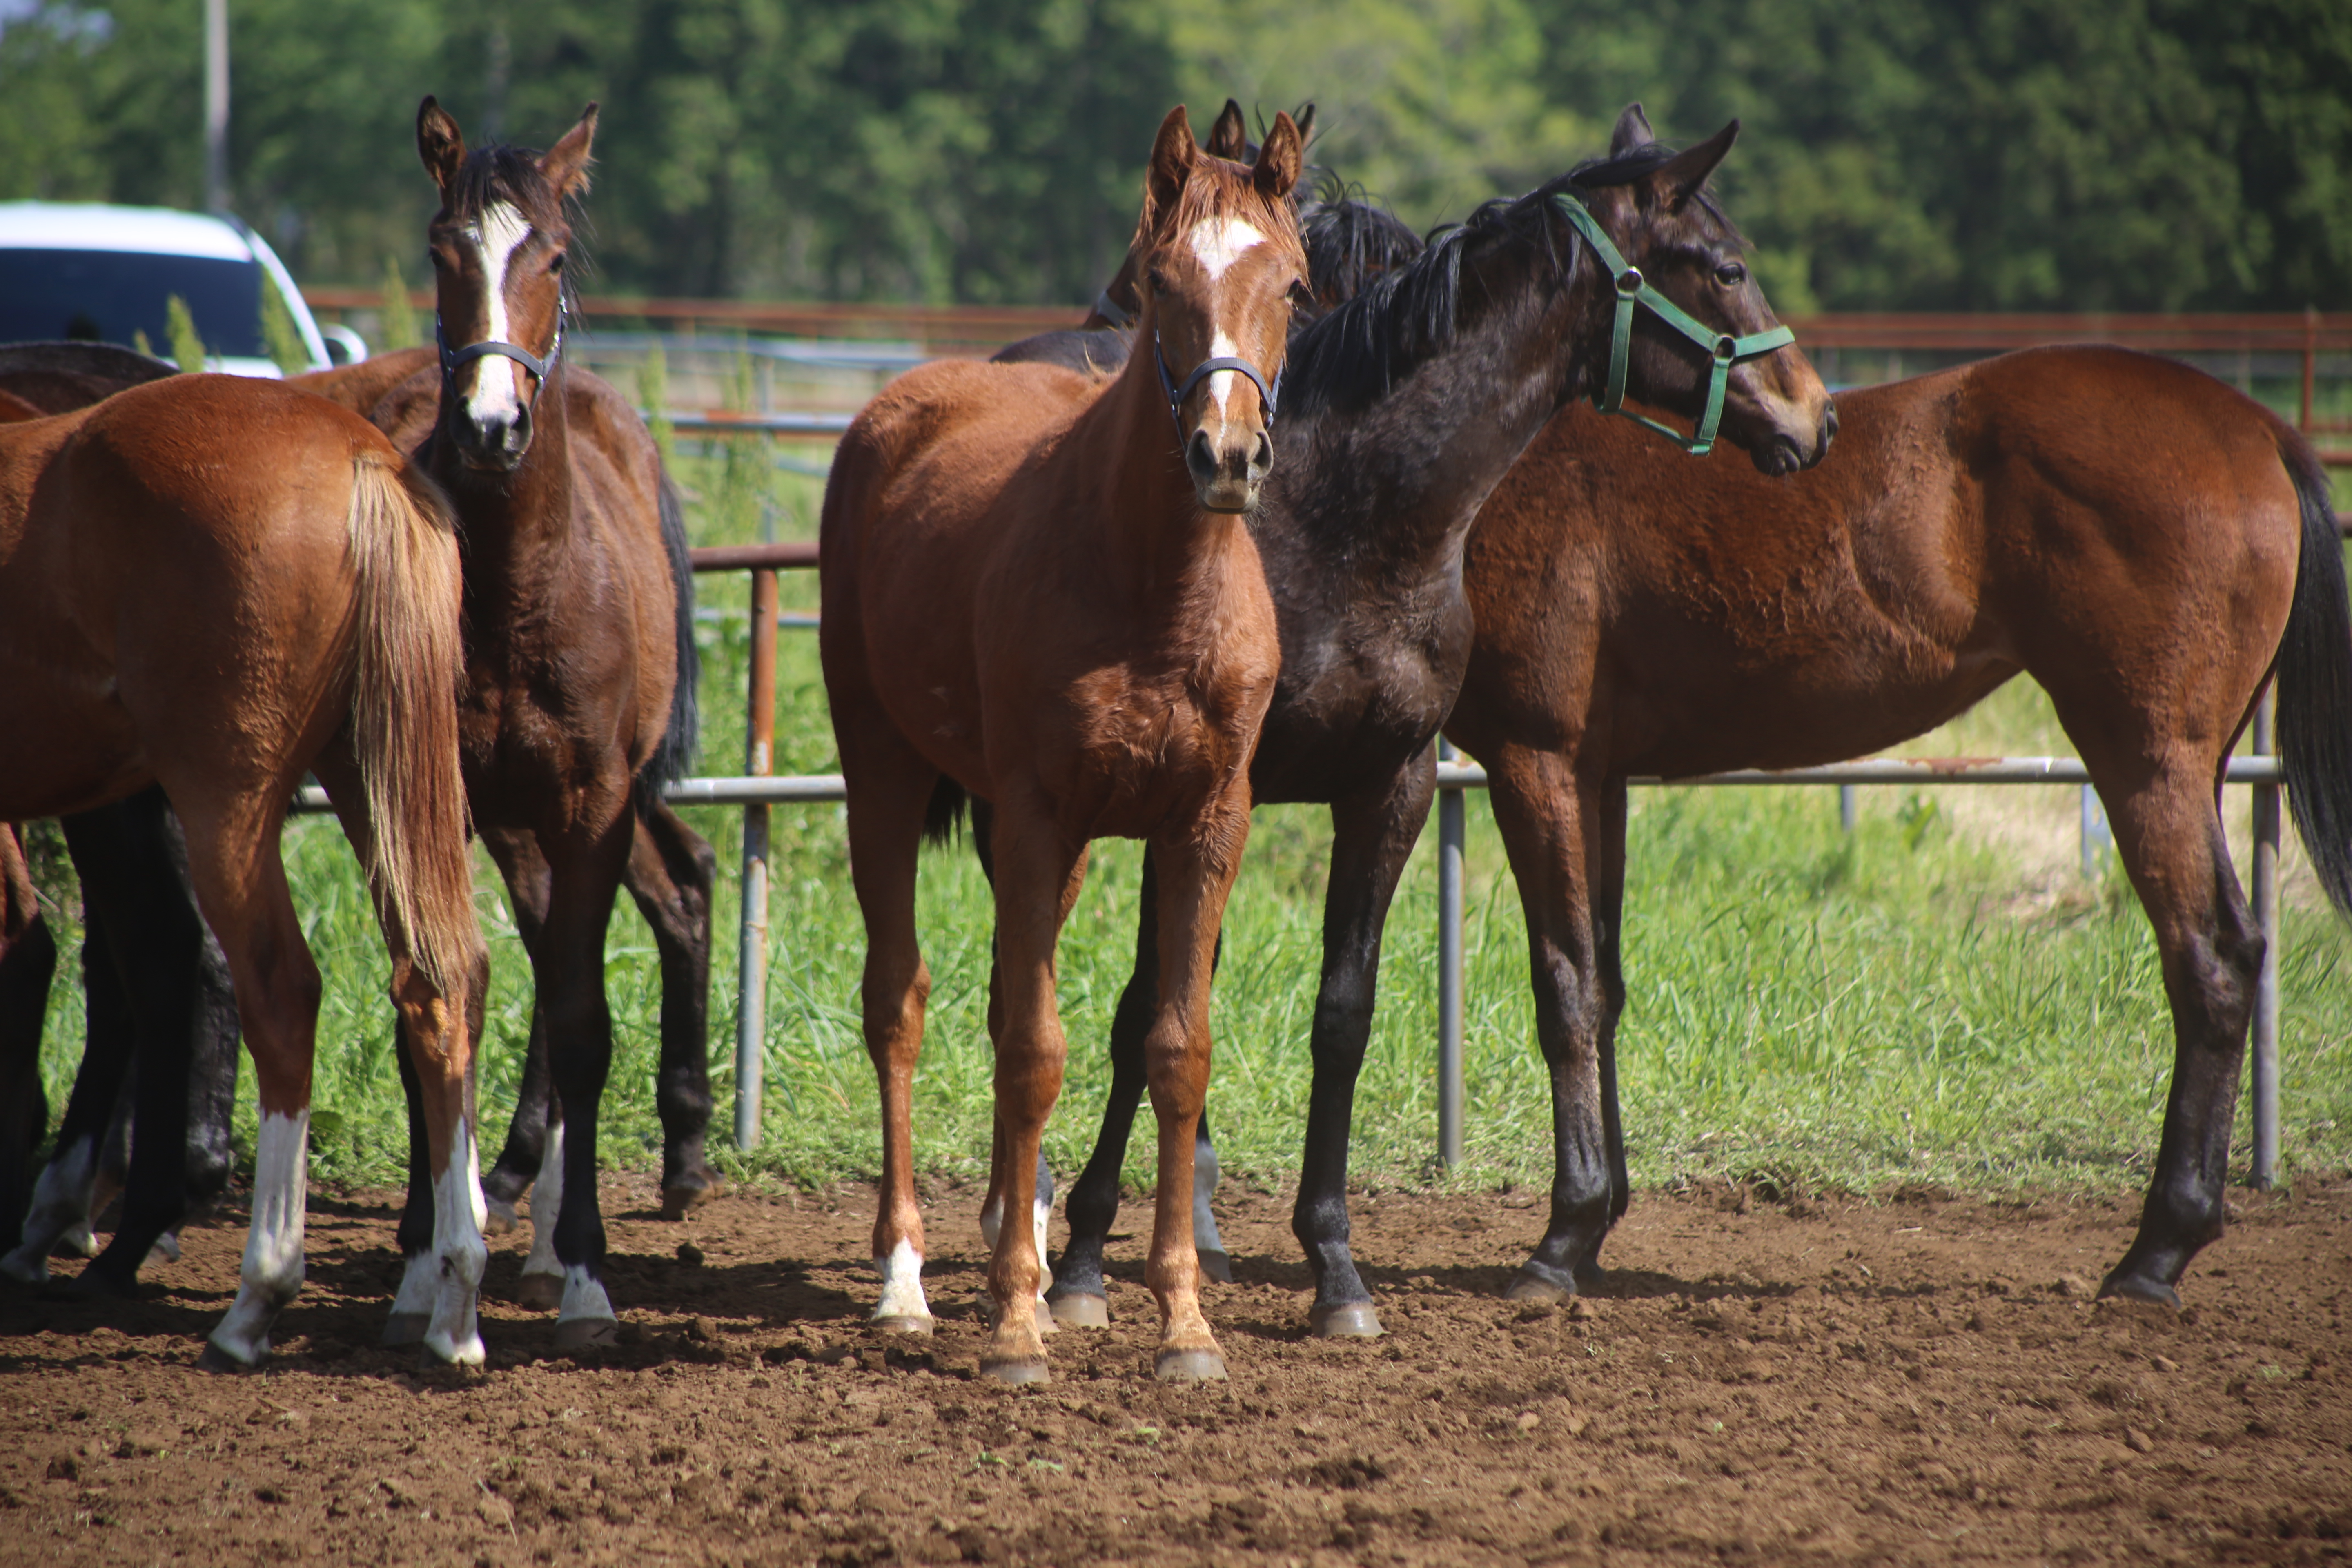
[1137, 753]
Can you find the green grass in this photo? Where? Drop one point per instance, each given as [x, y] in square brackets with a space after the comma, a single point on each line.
[1910, 1002]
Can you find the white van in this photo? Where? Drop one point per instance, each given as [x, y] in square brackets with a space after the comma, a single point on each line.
[81, 269]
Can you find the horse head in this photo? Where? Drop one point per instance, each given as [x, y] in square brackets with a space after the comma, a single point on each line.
[1652, 205]
[498, 247]
[1220, 265]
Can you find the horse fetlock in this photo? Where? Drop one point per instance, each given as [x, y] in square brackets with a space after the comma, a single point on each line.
[902, 1307]
[585, 1317]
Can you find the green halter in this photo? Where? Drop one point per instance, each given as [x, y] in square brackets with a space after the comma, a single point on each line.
[1633, 289]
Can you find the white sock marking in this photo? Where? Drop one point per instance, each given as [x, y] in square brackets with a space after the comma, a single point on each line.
[583, 1296]
[1040, 1212]
[272, 1271]
[902, 1283]
[60, 1205]
[546, 1204]
[420, 1282]
[458, 1253]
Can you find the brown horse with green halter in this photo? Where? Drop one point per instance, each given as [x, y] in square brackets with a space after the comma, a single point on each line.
[2147, 543]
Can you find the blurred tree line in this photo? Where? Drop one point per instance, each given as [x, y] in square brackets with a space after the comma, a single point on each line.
[2022, 155]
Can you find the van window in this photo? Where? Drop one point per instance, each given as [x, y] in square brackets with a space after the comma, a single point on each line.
[107, 296]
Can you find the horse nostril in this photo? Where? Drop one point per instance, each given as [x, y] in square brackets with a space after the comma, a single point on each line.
[1201, 456]
[1829, 427]
[1261, 456]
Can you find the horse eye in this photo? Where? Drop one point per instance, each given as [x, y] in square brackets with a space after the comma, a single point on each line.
[1731, 274]
[1300, 294]
[1159, 282]
[555, 262]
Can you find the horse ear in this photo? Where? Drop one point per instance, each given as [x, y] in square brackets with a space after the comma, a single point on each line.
[565, 164]
[1229, 137]
[1280, 161]
[1633, 131]
[1678, 179]
[1172, 166]
[1306, 119]
[439, 142]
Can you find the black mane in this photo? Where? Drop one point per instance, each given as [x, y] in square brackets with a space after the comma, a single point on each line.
[1350, 241]
[1364, 346]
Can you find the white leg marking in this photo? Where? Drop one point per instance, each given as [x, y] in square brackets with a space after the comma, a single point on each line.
[491, 397]
[991, 1220]
[546, 1204]
[1040, 1212]
[420, 1282]
[273, 1247]
[60, 1205]
[902, 1283]
[459, 1255]
[583, 1296]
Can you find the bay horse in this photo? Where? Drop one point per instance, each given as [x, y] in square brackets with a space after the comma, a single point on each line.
[160, 1016]
[1039, 589]
[1404, 406]
[2146, 543]
[215, 584]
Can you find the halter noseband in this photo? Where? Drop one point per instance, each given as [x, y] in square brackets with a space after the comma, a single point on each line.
[455, 360]
[1633, 289]
[1178, 390]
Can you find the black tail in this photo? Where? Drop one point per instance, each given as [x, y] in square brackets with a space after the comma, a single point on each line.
[2315, 684]
[674, 756]
[945, 813]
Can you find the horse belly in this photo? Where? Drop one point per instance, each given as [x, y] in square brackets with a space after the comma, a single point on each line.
[66, 743]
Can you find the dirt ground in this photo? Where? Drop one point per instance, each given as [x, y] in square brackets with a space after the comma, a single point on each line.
[1817, 1380]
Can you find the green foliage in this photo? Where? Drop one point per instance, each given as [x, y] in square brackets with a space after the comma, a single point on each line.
[279, 332]
[188, 347]
[397, 322]
[1954, 154]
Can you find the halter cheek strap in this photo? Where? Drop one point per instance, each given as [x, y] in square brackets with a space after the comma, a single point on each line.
[1632, 289]
[1178, 390]
[455, 360]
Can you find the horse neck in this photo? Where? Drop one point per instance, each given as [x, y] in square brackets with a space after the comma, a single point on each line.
[1161, 550]
[1393, 487]
[518, 527]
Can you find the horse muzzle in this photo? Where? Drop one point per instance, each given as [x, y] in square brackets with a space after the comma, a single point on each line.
[1226, 474]
[496, 443]
[1784, 453]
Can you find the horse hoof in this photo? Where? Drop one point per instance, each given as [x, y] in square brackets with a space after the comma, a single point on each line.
[1045, 1318]
[1190, 1366]
[406, 1328]
[2122, 1286]
[1015, 1369]
[681, 1201]
[216, 1359]
[539, 1293]
[1346, 1320]
[1216, 1265]
[499, 1217]
[587, 1334]
[1076, 1309]
[78, 1242]
[900, 1323]
[1527, 1286]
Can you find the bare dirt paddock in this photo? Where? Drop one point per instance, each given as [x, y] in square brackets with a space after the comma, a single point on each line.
[1903, 1381]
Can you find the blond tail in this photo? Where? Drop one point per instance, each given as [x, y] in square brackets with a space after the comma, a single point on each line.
[405, 680]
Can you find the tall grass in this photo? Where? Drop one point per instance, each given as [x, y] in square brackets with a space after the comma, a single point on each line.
[1917, 1001]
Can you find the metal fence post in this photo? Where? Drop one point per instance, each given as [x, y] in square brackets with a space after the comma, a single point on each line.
[1845, 808]
[1452, 831]
[2266, 989]
[2097, 836]
[751, 989]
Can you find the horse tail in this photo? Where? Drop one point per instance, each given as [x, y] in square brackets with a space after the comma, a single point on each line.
[2314, 682]
[405, 671]
[944, 813]
[674, 756]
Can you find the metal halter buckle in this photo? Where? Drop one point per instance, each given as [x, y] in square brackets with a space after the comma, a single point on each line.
[1177, 392]
[1633, 289]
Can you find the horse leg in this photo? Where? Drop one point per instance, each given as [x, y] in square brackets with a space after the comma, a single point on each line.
[1607, 884]
[1553, 825]
[2168, 834]
[1373, 834]
[992, 1209]
[1197, 866]
[570, 974]
[889, 788]
[1039, 873]
[671, 874]
[28, 960]
[61, 1204]
[519, 1163]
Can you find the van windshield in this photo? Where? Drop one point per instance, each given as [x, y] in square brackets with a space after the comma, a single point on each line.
[110, 296]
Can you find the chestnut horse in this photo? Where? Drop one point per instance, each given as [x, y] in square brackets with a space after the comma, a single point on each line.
[160, 1016]
[1405, 406]
[1039, 589]
[215, 584]
[2146, 543]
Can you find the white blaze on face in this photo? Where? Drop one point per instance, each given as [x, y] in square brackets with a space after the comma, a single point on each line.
[491, 399]
[1217, 243]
